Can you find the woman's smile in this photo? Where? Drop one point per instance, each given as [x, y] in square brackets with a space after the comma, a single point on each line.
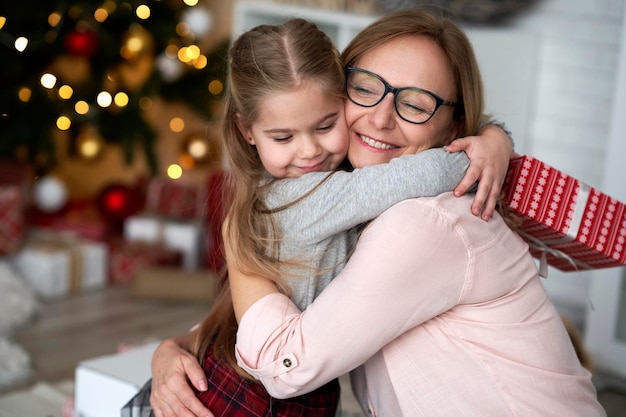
[375, 143]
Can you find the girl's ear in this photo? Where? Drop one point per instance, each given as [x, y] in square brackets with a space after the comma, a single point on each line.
[243, 130]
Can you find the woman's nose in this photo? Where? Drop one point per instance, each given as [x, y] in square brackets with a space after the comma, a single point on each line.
[382, 115]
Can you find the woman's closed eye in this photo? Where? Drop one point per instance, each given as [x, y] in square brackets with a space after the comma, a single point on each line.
[412, 107]
[363, 91]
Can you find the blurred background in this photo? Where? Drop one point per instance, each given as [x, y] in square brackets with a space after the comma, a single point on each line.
[109, 122]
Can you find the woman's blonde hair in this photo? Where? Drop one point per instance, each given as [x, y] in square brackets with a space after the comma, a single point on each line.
[267, 59]
[468, 113]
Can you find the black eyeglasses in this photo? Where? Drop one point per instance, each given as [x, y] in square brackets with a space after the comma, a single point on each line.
[412, 104]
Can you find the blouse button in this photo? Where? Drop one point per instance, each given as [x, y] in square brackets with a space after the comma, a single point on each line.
[287, 363]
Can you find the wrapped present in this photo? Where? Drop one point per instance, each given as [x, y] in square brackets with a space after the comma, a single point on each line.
[15, 180]
[16, 173]
[56, 265]
[567, 223]
[105, 383]
[167, 283]
[11, 219]
[213, 217]
[127, 258]
[174, 199]
[79, 217]
[183, 236]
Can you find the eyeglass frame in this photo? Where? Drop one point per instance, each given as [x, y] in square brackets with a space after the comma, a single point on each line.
[389, 89]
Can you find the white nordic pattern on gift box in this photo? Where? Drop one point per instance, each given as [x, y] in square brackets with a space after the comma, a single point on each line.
[570, 224]
[551, 189]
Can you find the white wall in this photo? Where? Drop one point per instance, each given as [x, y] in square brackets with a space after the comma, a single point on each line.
[605, 330]
[579, 44]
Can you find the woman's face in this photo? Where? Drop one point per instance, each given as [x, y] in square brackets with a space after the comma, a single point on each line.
[378, 134]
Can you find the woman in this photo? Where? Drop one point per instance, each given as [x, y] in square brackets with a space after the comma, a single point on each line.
[396, 150]
[440, 314]
[292, 213]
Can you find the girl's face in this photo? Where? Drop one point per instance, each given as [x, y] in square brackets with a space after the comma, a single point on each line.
[299, 131]
[378, 134]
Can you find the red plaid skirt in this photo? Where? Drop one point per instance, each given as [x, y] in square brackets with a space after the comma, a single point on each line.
[230, 395]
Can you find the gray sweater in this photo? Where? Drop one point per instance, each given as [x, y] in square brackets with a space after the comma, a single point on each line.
[321, 230]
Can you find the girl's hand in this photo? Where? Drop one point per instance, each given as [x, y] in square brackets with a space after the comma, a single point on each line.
[489, 156]
[172, 369]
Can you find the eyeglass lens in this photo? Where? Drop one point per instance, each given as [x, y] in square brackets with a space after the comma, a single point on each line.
[412, 104]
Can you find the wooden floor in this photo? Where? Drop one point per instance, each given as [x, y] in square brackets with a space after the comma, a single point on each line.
[66, 331]
[82, 327]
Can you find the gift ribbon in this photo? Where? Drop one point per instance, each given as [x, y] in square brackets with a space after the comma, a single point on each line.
[577, 217]
[543, 247]
[53, 243]
[535, 243]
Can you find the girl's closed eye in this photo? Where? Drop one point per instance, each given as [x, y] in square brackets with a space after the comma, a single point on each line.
[283, 139]
[326, 128]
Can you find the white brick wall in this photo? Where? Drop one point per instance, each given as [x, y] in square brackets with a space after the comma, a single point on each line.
[571, 115]
[575, 82]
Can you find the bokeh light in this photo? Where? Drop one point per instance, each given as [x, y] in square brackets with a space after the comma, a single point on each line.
[174, 171]
[177, 124]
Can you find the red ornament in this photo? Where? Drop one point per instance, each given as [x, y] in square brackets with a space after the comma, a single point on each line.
[118, 202]
[82, 42]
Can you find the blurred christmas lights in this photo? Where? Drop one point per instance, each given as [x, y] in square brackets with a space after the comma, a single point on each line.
[99, 62]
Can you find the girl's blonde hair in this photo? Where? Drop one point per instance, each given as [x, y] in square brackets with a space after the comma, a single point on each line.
[468, 113]
[266, 60]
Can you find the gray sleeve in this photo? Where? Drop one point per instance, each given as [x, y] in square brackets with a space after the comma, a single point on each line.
[501, 125]
[347, 199]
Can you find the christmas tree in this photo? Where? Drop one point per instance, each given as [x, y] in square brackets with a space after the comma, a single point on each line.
[90, 69]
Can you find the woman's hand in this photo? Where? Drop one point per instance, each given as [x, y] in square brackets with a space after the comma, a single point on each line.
[172, 369]
[489, 156]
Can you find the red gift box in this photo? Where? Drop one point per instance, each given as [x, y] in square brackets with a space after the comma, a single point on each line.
[128, 258]
[11, 218]
[15, 180]
[566, 222]
[78, 217]
[176, 200]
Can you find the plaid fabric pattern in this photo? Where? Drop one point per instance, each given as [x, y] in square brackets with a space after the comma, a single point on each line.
[230, 395]
[139, 405]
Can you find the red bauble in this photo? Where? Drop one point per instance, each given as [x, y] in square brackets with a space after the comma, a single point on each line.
[82, 42]
[118, 202]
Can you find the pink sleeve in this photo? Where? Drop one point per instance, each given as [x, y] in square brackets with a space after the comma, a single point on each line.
[409, 266]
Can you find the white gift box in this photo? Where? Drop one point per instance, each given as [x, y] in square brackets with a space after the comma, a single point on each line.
[47, 273]
[94, 265]
[183, 236]
[105, 384]
[55, 267]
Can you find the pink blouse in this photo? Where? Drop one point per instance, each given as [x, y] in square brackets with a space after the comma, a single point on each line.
[442, 314]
